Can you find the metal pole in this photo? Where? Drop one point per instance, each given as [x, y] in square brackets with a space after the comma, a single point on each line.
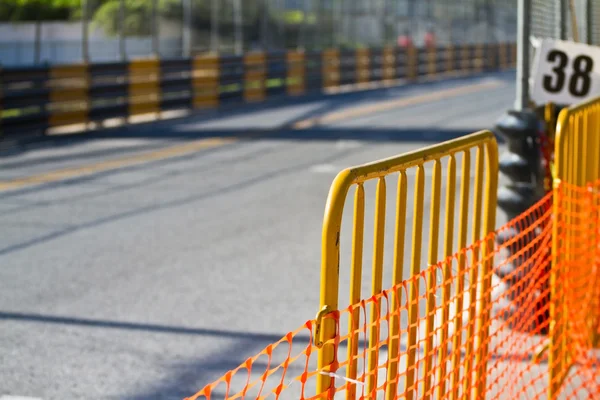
[84, 31]
[574, 26]
[38, 39]
[281, 22]
[237, 15]
[187, 29]
[561, 16]
[122, 49]
[523, 29]
[588, 22]
[154, 22]
[264, 27]
[214, 26]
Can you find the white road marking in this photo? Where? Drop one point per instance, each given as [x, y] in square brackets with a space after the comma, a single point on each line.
[325, 169]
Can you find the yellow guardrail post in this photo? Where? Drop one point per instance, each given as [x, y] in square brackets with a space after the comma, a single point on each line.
[144, 87]
[331, 68]
[412, 62]
[431, 60]
[296, 72]
[362, 66]
[255, 72]
[69, 95]
[205, 81]
[465, 58]
[389, 64]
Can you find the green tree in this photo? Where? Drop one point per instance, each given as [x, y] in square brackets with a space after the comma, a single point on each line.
[45, 10]
[138, 14]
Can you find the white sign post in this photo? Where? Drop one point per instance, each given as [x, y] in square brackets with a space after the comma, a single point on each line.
[565, 73]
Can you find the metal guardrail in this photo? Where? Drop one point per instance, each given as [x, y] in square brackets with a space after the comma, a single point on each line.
[35, 100]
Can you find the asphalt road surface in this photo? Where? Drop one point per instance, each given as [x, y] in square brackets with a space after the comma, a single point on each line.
[162, 255]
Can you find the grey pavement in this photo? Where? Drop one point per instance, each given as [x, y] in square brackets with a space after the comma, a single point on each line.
[148, 282]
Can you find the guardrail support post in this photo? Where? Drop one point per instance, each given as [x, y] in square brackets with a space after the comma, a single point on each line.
[522, 165]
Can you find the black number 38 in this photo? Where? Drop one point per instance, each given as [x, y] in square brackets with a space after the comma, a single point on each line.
[579, 83]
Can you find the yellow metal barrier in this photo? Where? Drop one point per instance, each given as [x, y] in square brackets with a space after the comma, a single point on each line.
[479, 59]
[205, 81]
[331, 68]
[296, 72]
[575, 278]
[431, 60]
[482, 223]
[144, 86]
[389, 64]
[363, 62]
[255, 72]
[503, 56]
[465, 58]
[69, 95]
[412, 63]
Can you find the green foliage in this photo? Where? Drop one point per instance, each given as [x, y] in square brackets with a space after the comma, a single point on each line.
[138, 14]
[45, 10]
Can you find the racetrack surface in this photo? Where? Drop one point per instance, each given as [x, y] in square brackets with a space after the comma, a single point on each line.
[148, 279]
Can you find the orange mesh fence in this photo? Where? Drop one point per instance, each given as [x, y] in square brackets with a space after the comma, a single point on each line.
[513, 315]
[514, 362]
[574, 354]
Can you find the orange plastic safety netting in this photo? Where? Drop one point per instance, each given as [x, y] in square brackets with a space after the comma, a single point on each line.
[439, 342]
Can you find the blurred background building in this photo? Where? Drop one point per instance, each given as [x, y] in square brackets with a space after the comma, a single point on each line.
[67, 31]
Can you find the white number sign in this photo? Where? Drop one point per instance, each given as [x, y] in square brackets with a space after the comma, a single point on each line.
[565, 73]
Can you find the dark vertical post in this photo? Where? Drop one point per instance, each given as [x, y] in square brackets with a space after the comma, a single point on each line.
[84, 30]
[122, 33]
[522, 165]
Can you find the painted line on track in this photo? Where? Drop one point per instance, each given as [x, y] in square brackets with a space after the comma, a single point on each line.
[208, 143]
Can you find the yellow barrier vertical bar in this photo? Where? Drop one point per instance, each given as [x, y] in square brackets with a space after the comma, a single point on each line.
[466, 62]
[389, 64]
[413, 309]
[460, 281]
[411, 62]
[362, 65]
[205, 80]
[450, 60]
[254, 77]
[295, 73]
[502, 50]
[69, 94]
[355, 285]
[549, 118]
[431, 60]
[330, 274]
[144, 87]
[474, 275]
[480, 62]
[514, 53]
[489, 223]
[331, 68]
[558, 354]
[431, 278]
[556, 332]
[394, 338]
[447, 273]
[377, 277]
